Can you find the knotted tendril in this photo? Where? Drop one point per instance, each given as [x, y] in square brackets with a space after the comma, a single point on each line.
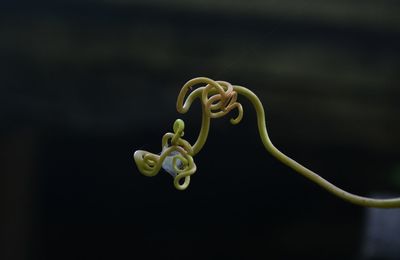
[176, 156]
[218, 98]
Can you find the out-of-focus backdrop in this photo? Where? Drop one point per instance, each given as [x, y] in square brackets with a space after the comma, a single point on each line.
[84, 84]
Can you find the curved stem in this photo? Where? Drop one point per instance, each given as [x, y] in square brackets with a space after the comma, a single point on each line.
[205, 127]
[309, 174]
[205, 118]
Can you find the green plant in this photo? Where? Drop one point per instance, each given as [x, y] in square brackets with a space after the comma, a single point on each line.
[218, 98]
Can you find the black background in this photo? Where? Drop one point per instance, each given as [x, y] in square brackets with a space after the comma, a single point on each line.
[85, 84]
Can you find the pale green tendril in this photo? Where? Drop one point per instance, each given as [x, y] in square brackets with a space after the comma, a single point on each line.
[218, 98]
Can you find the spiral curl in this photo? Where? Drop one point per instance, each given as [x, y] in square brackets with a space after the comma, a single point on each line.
[149, 164]
[218, 98]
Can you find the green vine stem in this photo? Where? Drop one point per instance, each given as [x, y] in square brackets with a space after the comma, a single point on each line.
[218, 98]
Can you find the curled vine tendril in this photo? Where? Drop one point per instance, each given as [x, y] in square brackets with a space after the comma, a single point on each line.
[176, 152]
[218, 98]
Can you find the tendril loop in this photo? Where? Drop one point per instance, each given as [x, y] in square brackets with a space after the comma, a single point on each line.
[175, 157]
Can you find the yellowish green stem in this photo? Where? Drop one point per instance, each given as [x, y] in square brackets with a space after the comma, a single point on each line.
[309, 174]
[218, 98]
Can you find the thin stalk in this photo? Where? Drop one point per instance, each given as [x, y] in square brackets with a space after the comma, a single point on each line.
[309, 174]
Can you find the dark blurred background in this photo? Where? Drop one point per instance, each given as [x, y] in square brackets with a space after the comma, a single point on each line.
[85, 84]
